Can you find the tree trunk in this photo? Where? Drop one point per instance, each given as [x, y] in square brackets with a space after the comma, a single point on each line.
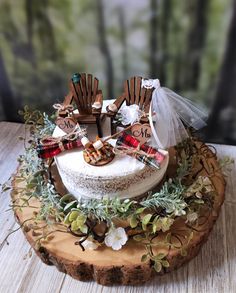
[226, 87]
[178, 56]
[177, 71]
[29, 30]
[6, 94]
[195, 43]
[165, 22]
[123, 39]
[45, 30]
[153, 43]
[104, 48]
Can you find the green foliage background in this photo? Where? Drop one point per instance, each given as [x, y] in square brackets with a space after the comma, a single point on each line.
[42, 48]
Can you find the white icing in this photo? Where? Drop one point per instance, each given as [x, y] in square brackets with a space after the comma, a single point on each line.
[124, 177]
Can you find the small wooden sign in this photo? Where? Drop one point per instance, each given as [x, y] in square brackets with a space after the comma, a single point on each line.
[142, 132]
[66, 124]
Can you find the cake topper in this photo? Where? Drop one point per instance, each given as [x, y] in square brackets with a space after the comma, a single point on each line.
[142, 132]
[98, 153]
[172, 112]
[127, 144]
[49, 146]
[68, 123]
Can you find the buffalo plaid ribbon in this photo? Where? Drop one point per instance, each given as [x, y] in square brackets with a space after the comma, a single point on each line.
[144, 153]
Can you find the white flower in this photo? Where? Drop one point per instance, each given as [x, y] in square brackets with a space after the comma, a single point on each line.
[87, 244]
[116, 237]
[130, 114]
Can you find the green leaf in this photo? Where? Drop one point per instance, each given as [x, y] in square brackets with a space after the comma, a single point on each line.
[33, 180]
[36, 174]
[183, 252]
[133, 221]
[160, 256]
[70, 205]
[83, 229]
[157, 266]
[74, 226]
[73, 215]
[199, 201]
[166, 224]
[144, 227]
[31, 185]
[138, 238]
[154, 228]
[144, 257]
[146, 219]
[66, 198]
[165, 263]
[190, 236]
[155, 219]
[81, 219]
[168, 237]
[140, 210]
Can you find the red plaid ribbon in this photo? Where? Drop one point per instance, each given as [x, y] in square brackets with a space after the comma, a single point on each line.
[46, 149]
[49, 147]
[130, 141]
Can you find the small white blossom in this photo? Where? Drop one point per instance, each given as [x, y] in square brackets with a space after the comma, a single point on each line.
[115, 238]
[130, 114]
[90, 245]
[191, 217]
[198, 194]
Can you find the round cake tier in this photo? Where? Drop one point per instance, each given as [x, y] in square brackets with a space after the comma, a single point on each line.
[124, 177]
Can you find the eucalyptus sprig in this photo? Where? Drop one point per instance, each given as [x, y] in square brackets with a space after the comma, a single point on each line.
[169, 198]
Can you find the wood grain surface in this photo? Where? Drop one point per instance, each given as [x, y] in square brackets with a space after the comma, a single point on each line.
[213, 270]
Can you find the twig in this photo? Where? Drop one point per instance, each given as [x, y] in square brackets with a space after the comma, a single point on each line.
[117, 133]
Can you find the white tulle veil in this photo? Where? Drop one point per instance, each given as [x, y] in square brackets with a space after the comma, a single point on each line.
[168, 113]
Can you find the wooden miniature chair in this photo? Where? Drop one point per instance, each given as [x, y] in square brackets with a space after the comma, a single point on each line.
[133, 94]
[88, 99]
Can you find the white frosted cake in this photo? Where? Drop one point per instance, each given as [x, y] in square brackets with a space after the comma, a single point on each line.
[124, 177]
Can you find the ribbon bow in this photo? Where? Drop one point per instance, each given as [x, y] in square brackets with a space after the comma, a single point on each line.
[49, 147]
[172, 113]
[129, 145]
[61, 108]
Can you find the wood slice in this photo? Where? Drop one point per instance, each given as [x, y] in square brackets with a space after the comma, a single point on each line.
[107, 266]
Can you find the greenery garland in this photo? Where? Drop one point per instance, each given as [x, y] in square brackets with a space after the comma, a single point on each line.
[154, 213]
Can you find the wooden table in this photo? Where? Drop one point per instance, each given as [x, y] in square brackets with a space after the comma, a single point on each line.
[213, 270]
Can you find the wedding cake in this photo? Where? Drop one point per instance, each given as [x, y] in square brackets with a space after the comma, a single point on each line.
[139, 201]
[124, 177]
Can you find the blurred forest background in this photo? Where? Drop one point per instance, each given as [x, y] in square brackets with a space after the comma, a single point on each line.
[189, 45]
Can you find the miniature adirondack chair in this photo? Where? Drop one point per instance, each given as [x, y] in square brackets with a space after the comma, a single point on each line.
[133, 94]
[88, 99]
